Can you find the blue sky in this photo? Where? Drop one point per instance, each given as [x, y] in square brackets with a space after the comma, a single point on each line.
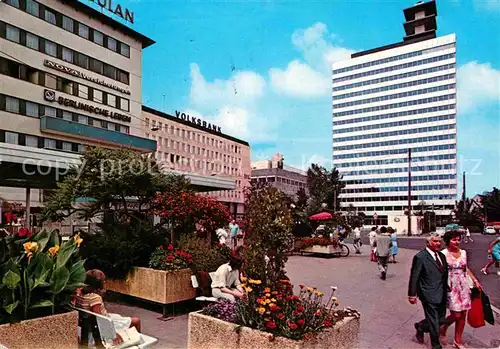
[260, 69]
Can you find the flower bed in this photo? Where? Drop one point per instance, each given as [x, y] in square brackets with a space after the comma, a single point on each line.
[317, 241]
[277, 316]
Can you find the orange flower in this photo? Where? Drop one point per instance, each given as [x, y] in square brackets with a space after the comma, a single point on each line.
[78, 240]
[267, 290]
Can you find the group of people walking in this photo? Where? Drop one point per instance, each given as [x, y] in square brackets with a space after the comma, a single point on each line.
[442, 280]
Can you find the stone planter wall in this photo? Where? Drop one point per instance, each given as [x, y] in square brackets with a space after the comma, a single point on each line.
[164, 287]
[208, 332]
[50, 332]
[330, 249]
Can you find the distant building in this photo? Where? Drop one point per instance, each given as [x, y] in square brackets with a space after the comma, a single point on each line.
[274, 172]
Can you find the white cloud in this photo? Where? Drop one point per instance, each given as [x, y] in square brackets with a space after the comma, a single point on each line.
[477, 84]
[312, 77]
[241, 88]
[299, 79]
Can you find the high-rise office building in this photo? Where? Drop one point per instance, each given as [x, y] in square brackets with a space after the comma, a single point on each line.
[388, 100]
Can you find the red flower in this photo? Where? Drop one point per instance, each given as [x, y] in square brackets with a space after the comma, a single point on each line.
[271, 325]
[279, 297]
[289, 298]
[292, 325]
[300, 308]
[300, 322]
[302, 285]
[170, 247]
[295, 313]
[280, 316]
[327, 323]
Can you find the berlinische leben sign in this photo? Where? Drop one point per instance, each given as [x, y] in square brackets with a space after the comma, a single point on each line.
[81, 75]
[115, 9]
[197, 121]
[50, 96]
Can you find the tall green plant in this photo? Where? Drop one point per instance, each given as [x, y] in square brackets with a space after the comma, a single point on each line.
[38, 275]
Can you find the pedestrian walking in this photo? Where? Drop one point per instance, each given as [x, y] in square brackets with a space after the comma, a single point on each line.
[459, 296]
[493, 254]
[428, 282]
[357, 240]
[394, 247]
[383, 244]
[234, 228]
[372, 236]
[468, 237]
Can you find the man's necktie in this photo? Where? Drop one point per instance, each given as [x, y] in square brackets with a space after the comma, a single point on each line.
[438, 261]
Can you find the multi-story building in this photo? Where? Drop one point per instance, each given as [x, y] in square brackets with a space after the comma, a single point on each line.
[275, 173]
[70, 77]
[190, 145]
[388, 100]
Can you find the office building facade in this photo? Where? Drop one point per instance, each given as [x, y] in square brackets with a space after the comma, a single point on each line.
[190, 145]
[391, 99]
[276, 174]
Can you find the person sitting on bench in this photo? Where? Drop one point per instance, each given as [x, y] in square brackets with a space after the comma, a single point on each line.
[226, 280]
[89, 298]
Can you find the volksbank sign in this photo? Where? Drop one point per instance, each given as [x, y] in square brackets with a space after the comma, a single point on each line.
[81, 75]
[50, 96]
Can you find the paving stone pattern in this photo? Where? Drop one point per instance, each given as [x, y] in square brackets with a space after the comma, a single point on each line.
[387, 317]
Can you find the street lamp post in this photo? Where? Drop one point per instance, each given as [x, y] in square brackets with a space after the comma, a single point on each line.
[409, 192]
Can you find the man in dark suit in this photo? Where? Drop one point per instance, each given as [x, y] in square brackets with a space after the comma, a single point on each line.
[429, 281]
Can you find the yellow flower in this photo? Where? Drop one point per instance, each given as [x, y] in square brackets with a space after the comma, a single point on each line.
[261, 310]
[273, 300]
[78, 240]
[268, 295]
[30, 247]
[248, 289]
[337, 303]
[318, 293]
[310, 289]
[271, 305]
[53, 250]
[267, 290]
[267, 301]
[243, 279]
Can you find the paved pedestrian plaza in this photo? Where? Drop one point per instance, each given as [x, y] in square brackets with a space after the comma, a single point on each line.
[387, 317]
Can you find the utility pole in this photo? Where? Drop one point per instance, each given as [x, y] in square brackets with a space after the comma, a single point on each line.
[409, 192]
[463, 187]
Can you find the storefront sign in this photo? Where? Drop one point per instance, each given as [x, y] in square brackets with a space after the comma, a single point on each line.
[196, 121]
[78, 74]
[124, 13]
[50, 96]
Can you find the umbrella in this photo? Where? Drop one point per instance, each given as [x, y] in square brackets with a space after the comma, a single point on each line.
[323, 216]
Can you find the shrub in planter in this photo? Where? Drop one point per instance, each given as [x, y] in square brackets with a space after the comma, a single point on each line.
[170, 258]
[281, 313]
[38, 275]
[205, 257]
[310, 242]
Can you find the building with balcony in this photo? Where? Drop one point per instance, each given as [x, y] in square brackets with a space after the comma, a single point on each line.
[388, 100]
[70, 77]
[191, 146]
[276, 174]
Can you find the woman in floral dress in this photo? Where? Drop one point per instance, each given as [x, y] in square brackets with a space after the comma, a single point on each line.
[459, 293]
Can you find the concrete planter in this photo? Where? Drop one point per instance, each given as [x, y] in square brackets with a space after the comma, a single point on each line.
[49, 332]
[330, 249]
[164, 287]
[208, 332]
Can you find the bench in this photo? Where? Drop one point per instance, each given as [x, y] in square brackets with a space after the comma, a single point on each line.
[102, 330]
[202, 298]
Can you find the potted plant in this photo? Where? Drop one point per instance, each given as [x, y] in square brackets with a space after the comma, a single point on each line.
[38, 277]
[275, 318]
[166, 281]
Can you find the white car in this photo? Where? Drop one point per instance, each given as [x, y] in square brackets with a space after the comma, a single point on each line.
[489, 230]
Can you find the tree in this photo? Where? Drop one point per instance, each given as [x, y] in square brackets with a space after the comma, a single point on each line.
[324, 187]
[107, 180]
[302, 199]
[491, 205]
[268, 233]
[468, 216]
[188, 212]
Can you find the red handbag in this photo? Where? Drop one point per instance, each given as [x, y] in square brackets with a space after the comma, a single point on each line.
[373, 258]
[475, 316]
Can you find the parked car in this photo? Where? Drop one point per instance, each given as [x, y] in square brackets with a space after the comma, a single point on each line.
[489, 230]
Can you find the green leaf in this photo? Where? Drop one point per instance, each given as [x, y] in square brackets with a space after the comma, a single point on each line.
[9, 308]
[42, 239]
[11, 279]
[65, 253]
[72, 287]
[59, 280]
[42, 304]
[55, 239]
[77, 273]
